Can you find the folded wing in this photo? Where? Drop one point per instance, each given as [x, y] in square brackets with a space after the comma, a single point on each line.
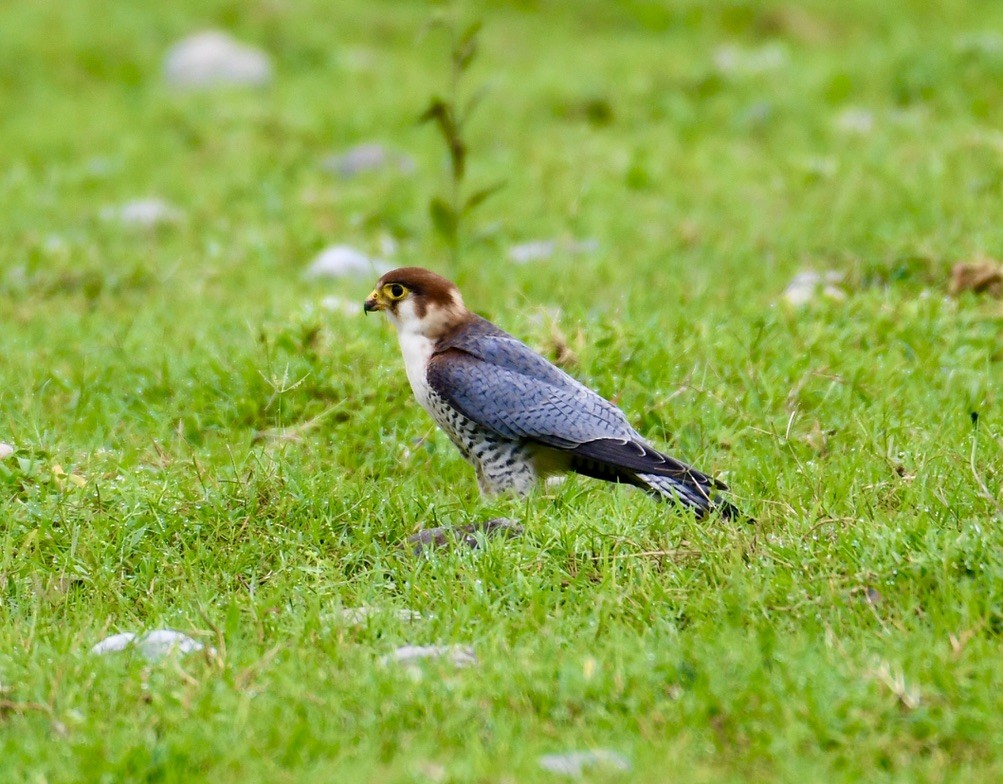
[506, 387]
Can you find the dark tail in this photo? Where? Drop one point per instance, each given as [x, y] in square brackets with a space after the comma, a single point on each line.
[637, 463]
[691, 493]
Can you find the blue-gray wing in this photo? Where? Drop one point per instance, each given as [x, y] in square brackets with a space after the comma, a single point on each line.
[509, 389]
[506, 387]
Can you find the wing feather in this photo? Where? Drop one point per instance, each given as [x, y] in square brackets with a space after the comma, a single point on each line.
[505, 386]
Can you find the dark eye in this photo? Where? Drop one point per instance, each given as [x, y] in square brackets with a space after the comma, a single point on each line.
[396, 290]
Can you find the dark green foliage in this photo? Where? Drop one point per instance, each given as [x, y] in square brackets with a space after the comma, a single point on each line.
[451, 116]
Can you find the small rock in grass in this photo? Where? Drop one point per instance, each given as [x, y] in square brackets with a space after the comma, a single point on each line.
[164, 642]
[388, 245]
[981, 43]
[434, 772]
[575, 763]
[806, 287]
[345, 307]
[982, 276]
[537, 250]
[357, 616]
[6, 450]
[818, 167]
[215, 59]
[153, 645]
[540, 250]
[365, 158]
[142, 214]
[465, 534]
[340, 261]
[457, 655]
[115, 643]
[16, 278]
[854, 120]
[581, 247]
[730, 59]
[756, 115]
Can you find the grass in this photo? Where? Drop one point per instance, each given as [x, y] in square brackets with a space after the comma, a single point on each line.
[251, 461]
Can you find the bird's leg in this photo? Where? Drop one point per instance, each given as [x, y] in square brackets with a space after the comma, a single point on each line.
[487, 488]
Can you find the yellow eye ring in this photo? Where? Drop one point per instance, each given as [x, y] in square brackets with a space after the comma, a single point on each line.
[395, 291]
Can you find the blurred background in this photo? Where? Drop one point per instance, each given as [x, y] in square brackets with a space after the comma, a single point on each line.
[688, 165]
[864, 134]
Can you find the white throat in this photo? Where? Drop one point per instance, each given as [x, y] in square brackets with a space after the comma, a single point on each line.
[416, 348]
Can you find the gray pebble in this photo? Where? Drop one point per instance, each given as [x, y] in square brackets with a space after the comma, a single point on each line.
[730, 59]
[341, 305]
[854, 120]
[541, 250]
[340, 261]
[575, 763]
[809, 286]
[457, 655]
[365, 158]
[153, 645]
[142, 214]
[357, 616]
[465, 534]
[214, 59]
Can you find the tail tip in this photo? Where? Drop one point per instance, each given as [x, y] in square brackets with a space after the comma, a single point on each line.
[729, 511]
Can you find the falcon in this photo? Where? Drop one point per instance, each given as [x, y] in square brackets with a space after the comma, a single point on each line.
[513, 415]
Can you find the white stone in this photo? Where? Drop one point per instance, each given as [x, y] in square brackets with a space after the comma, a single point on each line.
[142, 214]
[163, 642]
[340, 261]
[54, 245]
[575, 763]
[115, 643]
[731, 59]
[212, 59]
[458, 655]
[808, 286]
[153, 645]
[820, 167]
[357, 616]
[855, 120]
[368, 157]
[540, 250]
[982, 42]
[388, 245]
[6, 450]
[17, 278]
[537, 250]
[345, 307]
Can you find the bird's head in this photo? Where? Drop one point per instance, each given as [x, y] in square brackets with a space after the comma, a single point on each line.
[418, 301]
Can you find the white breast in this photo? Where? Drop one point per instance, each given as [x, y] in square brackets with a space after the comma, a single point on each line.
[417, 350]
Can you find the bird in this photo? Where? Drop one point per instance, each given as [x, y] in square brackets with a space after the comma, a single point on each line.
[515, 416]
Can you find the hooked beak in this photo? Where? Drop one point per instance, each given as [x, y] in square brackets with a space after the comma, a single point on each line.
[373, 302]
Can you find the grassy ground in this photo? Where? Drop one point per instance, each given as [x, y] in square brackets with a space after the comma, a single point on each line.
[853, 633]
